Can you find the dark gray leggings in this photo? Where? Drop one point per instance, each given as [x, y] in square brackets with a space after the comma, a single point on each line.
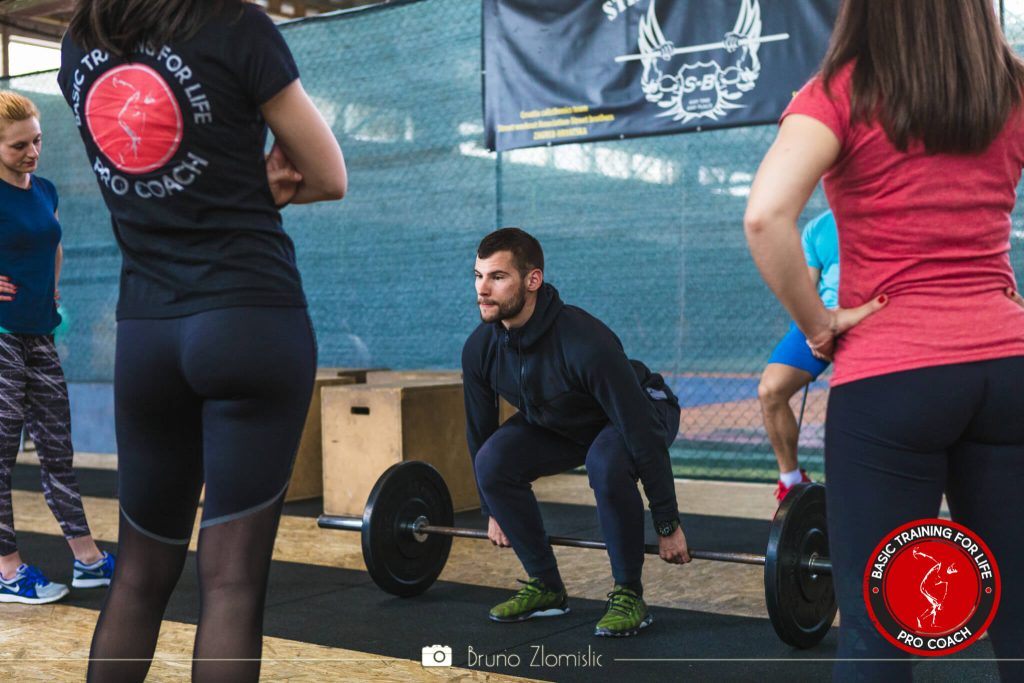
[894, 444]
[33, 393]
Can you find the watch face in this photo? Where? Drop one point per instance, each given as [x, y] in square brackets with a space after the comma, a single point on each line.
[665, 528]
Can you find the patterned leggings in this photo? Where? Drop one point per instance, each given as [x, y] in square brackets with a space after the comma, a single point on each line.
[33, 392]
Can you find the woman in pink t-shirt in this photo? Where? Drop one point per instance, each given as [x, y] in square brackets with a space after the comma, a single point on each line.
[915, 125]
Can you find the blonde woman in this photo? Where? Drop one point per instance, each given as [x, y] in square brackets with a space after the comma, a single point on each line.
[32, 387]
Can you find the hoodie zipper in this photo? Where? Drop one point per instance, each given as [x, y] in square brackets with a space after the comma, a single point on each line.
[507, 339]
[522, 368]
[497, 373]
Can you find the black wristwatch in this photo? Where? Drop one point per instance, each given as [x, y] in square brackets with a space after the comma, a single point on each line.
[667, 527]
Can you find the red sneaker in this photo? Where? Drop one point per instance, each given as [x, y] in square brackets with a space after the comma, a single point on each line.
[781, 491]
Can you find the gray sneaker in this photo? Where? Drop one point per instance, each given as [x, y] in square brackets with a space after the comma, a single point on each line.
[31, 587]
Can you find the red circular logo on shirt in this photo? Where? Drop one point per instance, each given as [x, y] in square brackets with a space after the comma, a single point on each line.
[134, 118]
[932, 587]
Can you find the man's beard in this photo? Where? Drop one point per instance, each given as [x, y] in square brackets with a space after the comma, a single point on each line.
[506, 309]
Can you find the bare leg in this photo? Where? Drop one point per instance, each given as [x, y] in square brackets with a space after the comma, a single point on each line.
[85, 549]
[778, 385]
[9, 564]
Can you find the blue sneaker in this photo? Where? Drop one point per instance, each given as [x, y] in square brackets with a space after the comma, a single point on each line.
[94, 575]
[29, 586]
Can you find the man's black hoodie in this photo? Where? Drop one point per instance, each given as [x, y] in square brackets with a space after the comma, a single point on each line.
[566, 371]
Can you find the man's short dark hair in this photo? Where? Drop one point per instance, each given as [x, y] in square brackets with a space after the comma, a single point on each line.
[526, 252]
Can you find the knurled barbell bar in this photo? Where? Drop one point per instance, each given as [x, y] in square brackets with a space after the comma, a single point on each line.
[407, 534]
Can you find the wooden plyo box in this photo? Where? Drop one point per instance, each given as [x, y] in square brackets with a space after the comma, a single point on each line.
[308, 474]
[505, 410]
[369, 427]
[358, 375]
[409, 376]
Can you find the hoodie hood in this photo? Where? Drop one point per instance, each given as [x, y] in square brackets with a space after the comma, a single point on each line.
[549, 305]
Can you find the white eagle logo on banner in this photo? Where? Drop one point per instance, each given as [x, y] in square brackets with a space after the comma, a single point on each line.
[702, 89]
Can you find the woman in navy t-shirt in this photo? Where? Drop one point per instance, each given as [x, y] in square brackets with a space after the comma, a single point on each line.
[215, 355]
[32, 387]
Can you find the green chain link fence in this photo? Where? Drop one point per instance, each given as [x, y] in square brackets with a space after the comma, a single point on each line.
[645, 233]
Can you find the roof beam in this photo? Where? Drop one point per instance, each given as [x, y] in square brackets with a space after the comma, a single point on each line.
[32, 28]
[34, 8]
[5, 53]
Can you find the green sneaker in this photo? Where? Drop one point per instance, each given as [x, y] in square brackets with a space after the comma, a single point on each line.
[534, 599]
[625, 615]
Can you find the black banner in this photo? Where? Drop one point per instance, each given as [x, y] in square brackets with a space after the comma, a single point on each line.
[561, 71]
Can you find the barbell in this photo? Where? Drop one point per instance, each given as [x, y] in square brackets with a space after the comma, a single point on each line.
[407, 534]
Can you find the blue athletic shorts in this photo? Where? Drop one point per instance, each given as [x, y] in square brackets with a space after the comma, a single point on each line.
[794, 352]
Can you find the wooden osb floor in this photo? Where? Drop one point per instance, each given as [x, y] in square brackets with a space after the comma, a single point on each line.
[49, 643]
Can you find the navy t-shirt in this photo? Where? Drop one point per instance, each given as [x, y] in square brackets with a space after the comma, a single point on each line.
[29, 235]
[176, 140]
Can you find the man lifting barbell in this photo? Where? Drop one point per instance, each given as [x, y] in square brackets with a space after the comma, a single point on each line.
[581, 401]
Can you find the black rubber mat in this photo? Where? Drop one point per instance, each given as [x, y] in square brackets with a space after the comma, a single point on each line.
[342, 608]
[707, 532]
[730, 534]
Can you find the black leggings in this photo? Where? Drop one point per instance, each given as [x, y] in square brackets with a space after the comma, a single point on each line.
[221, 397]
[894, 444]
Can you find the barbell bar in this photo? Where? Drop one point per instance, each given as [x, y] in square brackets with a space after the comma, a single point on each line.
[407, 532]
[422, 527]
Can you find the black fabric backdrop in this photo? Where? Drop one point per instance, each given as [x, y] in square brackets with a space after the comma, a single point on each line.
[570, 70]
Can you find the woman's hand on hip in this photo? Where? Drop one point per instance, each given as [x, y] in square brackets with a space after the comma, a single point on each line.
[823, 341]
[7, 289]
[1014, 296]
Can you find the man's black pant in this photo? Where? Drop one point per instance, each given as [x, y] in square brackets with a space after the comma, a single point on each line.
[519, 453]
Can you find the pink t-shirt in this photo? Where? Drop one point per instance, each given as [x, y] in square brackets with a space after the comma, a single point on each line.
[930, 231]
